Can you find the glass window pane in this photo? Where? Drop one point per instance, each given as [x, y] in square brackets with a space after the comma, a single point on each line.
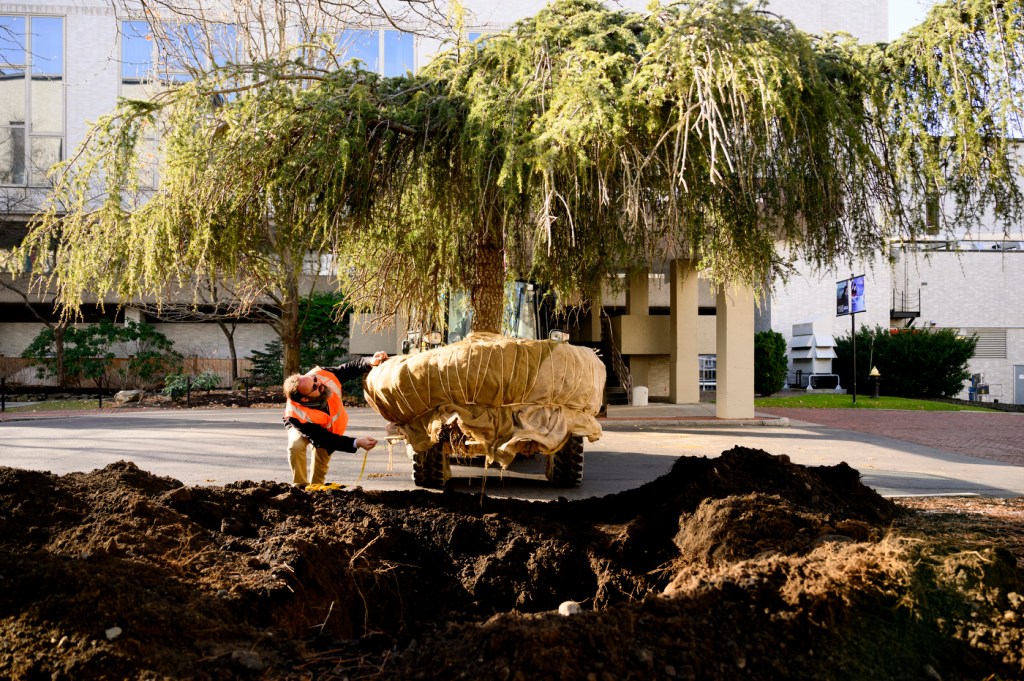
[12, 97]
[170, 79]
[398, 53]
[46, 151]
[48, 46]
[184, 50]
[474, 36]
[12, 41]
[47, 104]
[136, 51]
[361, 45]
[12, 155]
[224, 39]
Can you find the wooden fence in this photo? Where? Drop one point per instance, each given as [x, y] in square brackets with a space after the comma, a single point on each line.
[17, 371]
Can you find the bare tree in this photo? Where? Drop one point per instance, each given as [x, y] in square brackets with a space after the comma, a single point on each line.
[217, 303]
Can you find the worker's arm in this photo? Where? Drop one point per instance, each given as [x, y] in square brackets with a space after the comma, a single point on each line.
[322, 438]
[357, 367]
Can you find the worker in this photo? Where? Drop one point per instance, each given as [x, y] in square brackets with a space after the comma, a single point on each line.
[315, 416]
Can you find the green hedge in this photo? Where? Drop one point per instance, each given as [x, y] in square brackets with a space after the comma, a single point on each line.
[918, 363]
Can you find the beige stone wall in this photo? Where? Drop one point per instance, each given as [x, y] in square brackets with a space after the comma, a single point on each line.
[640, 335]
[658, 376]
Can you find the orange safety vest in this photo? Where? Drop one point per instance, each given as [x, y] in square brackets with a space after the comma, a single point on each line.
[337, 420]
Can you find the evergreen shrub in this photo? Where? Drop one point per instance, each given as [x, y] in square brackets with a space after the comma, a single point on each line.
[916, 363]
[770, 363]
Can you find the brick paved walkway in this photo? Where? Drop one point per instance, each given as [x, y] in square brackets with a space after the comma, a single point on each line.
[990, 436]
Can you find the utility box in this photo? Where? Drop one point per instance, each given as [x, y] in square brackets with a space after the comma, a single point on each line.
[811, 352]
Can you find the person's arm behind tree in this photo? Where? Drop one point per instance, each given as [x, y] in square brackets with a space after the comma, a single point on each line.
[349, 370]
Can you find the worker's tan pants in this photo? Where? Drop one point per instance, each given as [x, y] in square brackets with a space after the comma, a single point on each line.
[297, 446]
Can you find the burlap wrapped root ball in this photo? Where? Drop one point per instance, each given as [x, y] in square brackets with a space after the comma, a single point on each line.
[510, 395]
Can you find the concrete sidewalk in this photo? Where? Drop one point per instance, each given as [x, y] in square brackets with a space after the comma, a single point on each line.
[218, 446]
[898, 453]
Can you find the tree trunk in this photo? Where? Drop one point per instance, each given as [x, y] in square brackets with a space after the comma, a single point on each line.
[291, 336]
[488, 294]
[58, 351]
[229, 334]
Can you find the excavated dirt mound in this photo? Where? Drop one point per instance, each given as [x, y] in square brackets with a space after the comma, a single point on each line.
[742, 566]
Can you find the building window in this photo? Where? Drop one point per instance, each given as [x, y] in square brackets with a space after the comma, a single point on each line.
[137, 55]
[149, 63]
[185, 50]
[931, 215]
[387, 52]
[31, 98]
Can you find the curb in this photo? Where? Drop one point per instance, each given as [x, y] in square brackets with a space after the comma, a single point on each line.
[7, 416]
[639, 421]
[689, 422]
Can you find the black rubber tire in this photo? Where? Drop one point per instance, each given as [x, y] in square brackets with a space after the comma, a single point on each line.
[428, 469]
[566, 467]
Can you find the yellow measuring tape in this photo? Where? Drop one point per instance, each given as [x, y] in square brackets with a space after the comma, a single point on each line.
[366, 452]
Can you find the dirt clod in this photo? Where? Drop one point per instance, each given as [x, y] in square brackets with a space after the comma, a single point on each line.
[744, 565]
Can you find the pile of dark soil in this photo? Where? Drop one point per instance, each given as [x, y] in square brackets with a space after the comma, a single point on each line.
[742, 566]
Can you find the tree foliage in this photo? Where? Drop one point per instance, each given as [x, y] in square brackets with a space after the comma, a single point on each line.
[324, 332]
[580, 142]
[90, 351]
[268, 364]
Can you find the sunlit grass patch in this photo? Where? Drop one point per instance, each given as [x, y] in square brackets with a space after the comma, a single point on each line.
[838, 401]
[59, 405]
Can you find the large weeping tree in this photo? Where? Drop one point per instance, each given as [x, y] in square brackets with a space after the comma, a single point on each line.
[584, 142]
[579, 143]
[260, 150]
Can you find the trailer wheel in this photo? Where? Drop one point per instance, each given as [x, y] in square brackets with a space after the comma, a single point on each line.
[565, 467]
[430, 468]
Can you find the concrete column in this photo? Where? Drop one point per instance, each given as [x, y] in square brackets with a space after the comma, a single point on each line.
[594, 328]
[638, 304]
[638, 297]
[684, 367]
[734, 326]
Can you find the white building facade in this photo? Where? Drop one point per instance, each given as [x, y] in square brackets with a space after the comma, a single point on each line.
[969, 285]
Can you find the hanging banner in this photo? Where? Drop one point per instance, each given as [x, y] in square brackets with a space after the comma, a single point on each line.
[857, 294]
[850, 296]
[842, 297]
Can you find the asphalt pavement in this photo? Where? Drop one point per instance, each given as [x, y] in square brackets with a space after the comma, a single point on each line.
[220, 446]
